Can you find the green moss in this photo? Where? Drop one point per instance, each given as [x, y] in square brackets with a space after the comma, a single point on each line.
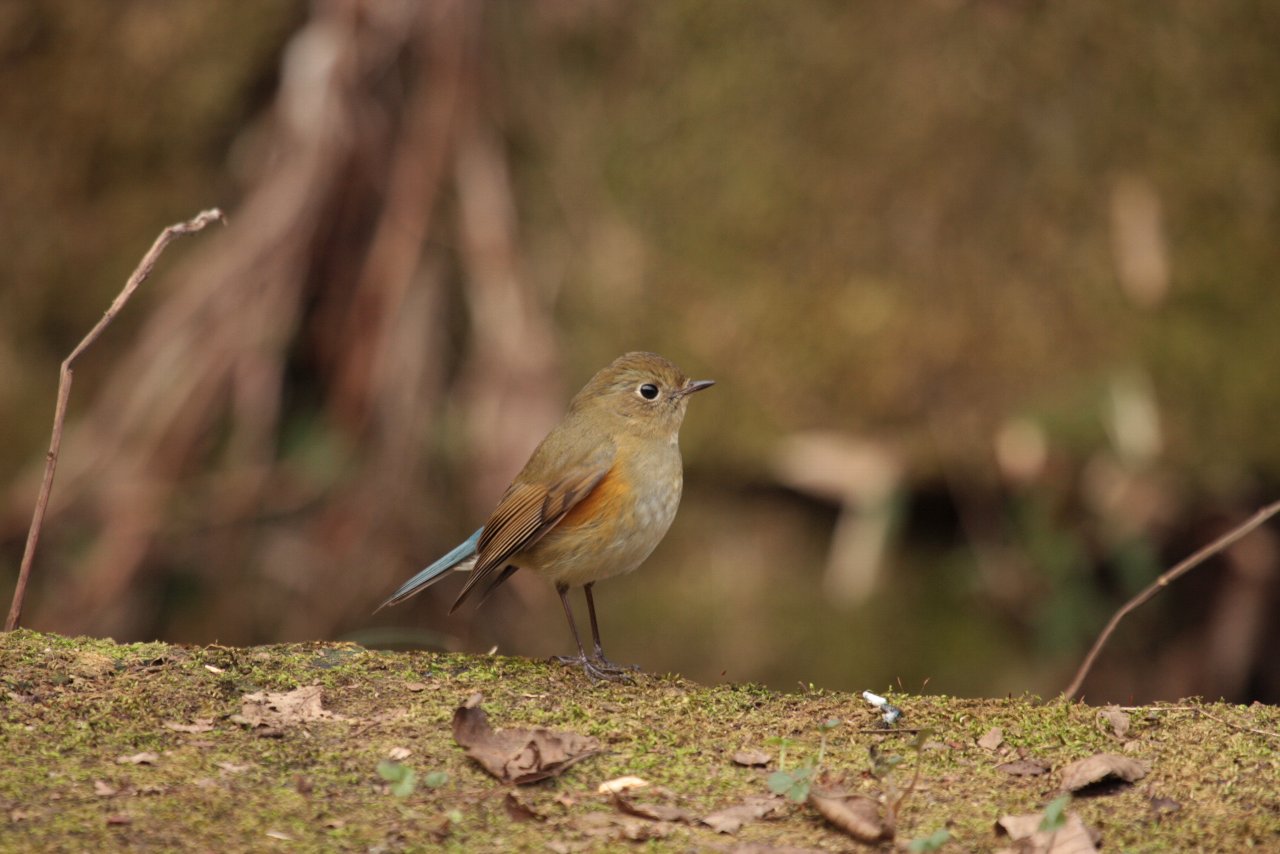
[70, 707]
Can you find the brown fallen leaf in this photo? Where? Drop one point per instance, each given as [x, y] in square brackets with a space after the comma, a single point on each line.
[518, 810]
[731, 819]
[143, 758]
[601, 824]
[856, 815]
[751, 758]
[518, 755]
[652, 811]
[199, 725]
[993, 738]
[1072, 838]
[1163, 806]
[1023, 767]
[621, 784]
[233, 768]
[103, 789]
[276, 710]
[119, 820]
[1099, 767]
[415, 687]
[1117, 720]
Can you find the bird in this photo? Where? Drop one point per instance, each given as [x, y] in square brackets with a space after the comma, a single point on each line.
[594, 500]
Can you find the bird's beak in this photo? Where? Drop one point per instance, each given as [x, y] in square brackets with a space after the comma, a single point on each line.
[695, 385]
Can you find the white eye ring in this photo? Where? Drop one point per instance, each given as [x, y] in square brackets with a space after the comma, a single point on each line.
[648, 391]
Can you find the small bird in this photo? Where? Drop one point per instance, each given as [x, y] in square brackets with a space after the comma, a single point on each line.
[594, 500]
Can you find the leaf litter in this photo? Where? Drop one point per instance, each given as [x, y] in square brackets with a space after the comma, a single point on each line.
[1099, 768]
[518, 756]
[279, 710]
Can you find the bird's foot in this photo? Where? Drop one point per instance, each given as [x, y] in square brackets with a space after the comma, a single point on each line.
[599, 671]
[613, 667]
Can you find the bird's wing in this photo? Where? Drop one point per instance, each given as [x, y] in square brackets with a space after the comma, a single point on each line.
[524, 515]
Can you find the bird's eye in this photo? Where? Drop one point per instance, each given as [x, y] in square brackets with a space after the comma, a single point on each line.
[648, 391]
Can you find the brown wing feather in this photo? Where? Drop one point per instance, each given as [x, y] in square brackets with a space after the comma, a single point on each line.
[523, 516]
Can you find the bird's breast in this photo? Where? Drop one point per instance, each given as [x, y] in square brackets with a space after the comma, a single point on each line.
[618, 524]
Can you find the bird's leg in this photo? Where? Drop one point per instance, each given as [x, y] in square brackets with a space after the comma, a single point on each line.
[595, 636]
[594, 670]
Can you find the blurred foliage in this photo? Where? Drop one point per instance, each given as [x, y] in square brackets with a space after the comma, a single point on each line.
[899, 222]
[895, 219]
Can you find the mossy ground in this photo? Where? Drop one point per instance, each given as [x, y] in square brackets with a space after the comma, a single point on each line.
[70, 709]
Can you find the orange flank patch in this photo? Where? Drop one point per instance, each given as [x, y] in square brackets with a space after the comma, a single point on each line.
[607, 494]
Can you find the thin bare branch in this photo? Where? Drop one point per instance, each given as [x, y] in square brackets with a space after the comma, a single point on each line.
[140, 274]
[1163, 581]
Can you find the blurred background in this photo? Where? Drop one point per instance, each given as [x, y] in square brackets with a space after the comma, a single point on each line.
[987, 287]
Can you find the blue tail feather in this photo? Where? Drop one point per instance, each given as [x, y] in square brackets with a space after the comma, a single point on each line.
[428, 576]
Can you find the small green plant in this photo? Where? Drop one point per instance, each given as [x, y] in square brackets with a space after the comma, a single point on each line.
[402, 778]
[795, 784]
[932, 842]
[1055, 815]
[895, 798]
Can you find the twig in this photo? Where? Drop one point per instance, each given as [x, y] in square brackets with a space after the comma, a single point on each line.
[1163, 581]
[1199, 710]
[140, 274]
[1267, 733]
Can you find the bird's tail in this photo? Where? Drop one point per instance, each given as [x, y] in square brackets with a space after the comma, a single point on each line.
[461, 558]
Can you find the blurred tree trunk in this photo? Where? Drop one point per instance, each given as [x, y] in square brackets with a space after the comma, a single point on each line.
[259, 454]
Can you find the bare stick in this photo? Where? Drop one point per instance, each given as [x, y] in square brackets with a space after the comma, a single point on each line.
[1163, 581]
[140, 274]
[1242, 727]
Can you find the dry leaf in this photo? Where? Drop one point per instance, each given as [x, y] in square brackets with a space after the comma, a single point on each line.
[856, 815]
[1072, 838]
[993, 739]
[731, 819]
[415, 687]
[1117, 720]
[276, 710]
[279, 834]
[518, 810]
[751, 758]
[1099, 767]
[1023, 767]
[103, 789]
[620, 784]
[233, 768]
[119, 820]
[518, 755]
[621, 826]
[143, 758]
[397, 753]
[199, 725]
[654, 812]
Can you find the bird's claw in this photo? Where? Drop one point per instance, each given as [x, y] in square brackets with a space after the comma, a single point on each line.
[600, 670]
[613, 667]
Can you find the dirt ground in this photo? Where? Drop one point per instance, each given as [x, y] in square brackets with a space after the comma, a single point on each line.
[154, 747]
